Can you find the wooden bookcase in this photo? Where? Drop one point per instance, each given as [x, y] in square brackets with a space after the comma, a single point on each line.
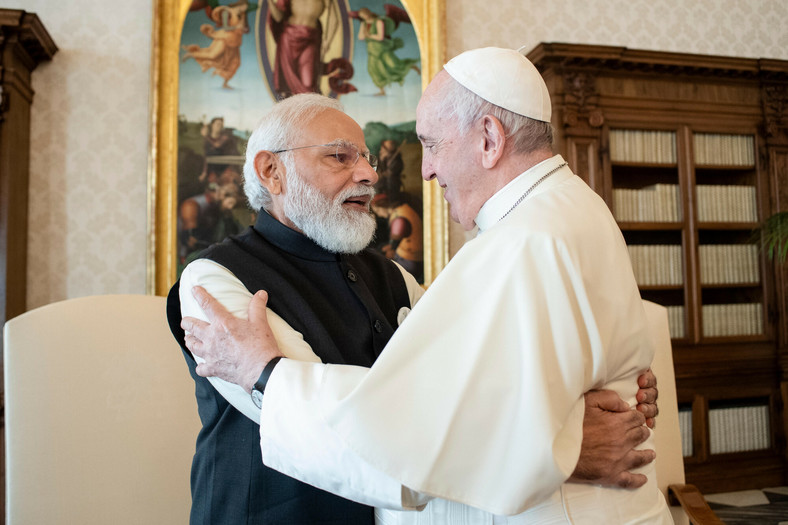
[691, 153]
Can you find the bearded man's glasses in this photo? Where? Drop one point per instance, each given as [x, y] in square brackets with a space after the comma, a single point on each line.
[347, 154]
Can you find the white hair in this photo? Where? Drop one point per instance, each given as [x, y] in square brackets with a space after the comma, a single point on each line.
[278, 130]
[523, 134]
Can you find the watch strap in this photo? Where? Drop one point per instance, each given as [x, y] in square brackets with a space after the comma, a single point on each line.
[263, 379]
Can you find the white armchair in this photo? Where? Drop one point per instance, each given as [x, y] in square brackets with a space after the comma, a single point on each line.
[667, 436]
[101, 419]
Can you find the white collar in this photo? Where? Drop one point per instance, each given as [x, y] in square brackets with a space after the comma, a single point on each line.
[505, 198]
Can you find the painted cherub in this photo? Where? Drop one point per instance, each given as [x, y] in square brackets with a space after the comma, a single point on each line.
[224, 52]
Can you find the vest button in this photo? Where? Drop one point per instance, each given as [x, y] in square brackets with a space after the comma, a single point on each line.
[378, 326]
[352, 276]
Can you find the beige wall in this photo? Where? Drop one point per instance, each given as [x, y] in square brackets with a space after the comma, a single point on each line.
[750, 28]
[88, 224]
[89, 135]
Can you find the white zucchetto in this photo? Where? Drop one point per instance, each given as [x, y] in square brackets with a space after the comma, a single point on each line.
[505, 78]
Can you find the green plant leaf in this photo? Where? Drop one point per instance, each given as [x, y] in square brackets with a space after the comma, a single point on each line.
[773, 236]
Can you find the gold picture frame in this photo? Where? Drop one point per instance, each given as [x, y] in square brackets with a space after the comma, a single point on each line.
[429, 21]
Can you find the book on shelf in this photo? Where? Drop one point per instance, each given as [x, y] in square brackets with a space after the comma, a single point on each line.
[739, 429]
[634, 145]
[655, 203]
[658, 264]
[726, 203]
[676, 321]
[721, 320]
[685, 427]
[712, 149]
[729, 263]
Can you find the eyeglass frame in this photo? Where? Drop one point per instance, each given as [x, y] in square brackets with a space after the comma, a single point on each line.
[371, 159]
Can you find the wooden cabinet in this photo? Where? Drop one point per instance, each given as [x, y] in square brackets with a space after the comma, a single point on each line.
[691, 153]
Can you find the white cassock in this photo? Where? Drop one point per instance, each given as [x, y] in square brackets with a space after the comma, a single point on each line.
[478, 397]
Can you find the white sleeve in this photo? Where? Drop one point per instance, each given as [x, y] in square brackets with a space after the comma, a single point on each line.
[415, 290]
[233, 295]
[296, 441]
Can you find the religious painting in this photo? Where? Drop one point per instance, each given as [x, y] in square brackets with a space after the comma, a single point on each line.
[238, 58]
[219, 65]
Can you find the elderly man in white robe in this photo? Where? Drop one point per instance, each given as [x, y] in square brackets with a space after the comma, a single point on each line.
[475, 408]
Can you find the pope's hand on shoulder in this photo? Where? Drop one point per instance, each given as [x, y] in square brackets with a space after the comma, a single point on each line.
[233, 349]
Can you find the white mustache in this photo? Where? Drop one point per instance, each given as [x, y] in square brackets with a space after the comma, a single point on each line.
[358, 191]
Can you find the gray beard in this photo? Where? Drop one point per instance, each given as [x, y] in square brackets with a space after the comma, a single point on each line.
[327, 222]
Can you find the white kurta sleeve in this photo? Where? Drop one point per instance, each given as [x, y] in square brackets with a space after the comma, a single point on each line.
[415, 290]
[233, 295]
[296, 441]
[359, 482]
[477, 398]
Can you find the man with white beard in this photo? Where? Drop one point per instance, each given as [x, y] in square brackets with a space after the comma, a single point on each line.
[309, 174]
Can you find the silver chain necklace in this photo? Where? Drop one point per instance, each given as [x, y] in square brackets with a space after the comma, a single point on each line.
[529, 190]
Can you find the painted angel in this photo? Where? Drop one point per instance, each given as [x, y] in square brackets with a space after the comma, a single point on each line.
[224, 52]
[384, 66]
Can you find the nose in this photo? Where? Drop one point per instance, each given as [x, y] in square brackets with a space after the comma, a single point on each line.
[364, 173]
[427, 171]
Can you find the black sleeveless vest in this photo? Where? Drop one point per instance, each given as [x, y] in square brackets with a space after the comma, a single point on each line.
[346, 308]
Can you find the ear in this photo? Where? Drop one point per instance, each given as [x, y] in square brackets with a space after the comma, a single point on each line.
[270, 171]
[494, 139]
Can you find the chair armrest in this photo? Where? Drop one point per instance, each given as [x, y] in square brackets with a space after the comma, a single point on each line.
[693, 503]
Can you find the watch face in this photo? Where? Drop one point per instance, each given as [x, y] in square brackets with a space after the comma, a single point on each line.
[257, 397]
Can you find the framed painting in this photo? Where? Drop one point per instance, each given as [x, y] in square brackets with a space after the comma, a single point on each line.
[219, 65]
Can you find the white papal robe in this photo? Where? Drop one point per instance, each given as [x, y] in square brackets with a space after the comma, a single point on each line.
[478, 397]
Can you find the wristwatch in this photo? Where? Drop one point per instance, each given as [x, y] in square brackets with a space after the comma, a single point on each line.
[259, 387]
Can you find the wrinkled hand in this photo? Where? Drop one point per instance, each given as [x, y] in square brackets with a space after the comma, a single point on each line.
[647, 397]
[234, 349]
[611, 430]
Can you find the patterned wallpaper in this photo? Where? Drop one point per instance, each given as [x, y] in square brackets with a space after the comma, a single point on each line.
[88, 223]
[751, 28]
[89, 140]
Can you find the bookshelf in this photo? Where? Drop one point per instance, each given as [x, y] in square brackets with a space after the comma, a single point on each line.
[647, 193]
[691, 154]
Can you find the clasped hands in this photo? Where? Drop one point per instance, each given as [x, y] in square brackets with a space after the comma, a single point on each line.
[237, 350]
